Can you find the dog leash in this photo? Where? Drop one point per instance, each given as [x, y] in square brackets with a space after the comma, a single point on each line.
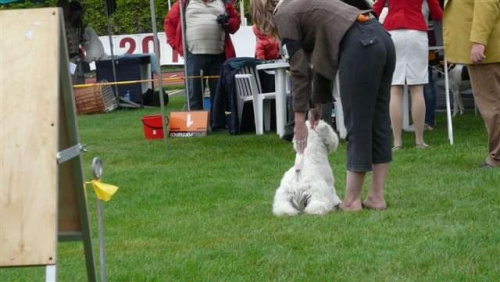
[299, 162]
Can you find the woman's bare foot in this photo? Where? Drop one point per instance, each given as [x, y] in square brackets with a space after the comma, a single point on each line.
[372, 204]
[351, 207]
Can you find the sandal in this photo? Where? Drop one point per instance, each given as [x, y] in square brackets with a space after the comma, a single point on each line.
[428, 127]
[422, 146]
[397, 148]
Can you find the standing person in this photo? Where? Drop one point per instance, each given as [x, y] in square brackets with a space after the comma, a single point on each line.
[321, 37]
[430, 88]
[408, 30]
[266, 47]
[75, 28]
[430, 102]
[208, 25]
[472, 36]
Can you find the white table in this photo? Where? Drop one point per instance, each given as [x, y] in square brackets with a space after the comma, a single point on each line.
[280, 89]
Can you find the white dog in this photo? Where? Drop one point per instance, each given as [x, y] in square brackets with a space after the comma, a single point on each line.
[455, 79]
[310, 189]
[456, 76]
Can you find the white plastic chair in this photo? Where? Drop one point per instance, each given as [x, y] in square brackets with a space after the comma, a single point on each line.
[248, 89]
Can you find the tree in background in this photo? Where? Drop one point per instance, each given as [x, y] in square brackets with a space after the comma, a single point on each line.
[130, 16]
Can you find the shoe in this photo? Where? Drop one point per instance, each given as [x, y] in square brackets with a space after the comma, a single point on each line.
[428, 127]
[422, 146]
[397, 148]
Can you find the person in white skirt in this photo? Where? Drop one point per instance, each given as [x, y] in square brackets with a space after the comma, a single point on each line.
[406, 24]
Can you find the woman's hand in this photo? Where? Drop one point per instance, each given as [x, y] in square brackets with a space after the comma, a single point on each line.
[477, 53]
[300, 130]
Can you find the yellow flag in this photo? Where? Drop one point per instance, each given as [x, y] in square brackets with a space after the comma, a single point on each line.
[103, 191]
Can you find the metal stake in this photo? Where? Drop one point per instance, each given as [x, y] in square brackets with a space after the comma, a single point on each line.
[117, 95]
[102, 252]
[202, 81]
[97, 172]
[159, 74]
[184, 48]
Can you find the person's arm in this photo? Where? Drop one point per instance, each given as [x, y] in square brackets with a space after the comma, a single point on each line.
[483, 21]
[234, 20]
[300, 132]
[290, 35]
[322, 89]
[170, 24]
[378, 6]
[485, 16]
[435, 9]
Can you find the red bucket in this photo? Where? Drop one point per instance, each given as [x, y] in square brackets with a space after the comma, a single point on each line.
[152, 127]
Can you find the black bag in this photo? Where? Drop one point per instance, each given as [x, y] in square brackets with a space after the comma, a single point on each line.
[152, 98]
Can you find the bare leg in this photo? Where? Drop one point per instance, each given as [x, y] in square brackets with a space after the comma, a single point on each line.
[354, 184]
[418, 112]
[375, 198]
[396, 112]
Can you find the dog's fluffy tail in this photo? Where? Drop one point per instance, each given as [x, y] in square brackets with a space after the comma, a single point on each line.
[300, 200]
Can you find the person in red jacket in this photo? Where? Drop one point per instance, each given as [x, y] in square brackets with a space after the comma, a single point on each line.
[406, 24]
[208, 44]
[266, 47]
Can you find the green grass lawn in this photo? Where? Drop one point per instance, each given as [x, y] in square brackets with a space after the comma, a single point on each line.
[199, 209]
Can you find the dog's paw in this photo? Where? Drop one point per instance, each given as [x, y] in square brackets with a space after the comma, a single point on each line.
[285, 211]
[321, 207]
[317, 209]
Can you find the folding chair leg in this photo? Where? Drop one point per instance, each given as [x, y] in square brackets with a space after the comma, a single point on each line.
[240, 113]
[267, 115]
[339, 117]
[257, 112]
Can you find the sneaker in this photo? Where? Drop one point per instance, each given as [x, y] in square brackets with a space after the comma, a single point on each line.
[428, 127]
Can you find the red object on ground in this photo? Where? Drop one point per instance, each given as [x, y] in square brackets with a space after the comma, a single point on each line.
[152, 127]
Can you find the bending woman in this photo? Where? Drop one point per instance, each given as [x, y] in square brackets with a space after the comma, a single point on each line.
[319, 38]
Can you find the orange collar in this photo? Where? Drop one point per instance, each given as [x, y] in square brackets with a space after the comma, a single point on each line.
[363, 18]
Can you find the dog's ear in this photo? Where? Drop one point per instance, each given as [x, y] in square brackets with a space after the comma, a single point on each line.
[328, 135]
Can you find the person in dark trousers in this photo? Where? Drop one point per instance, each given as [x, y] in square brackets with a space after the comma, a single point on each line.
[319, 38]
[430, 88]
[208, 25]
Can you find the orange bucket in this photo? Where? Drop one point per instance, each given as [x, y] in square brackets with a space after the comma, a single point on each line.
[152, 127]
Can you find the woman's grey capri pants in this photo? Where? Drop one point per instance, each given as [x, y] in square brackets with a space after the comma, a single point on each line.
[367, 61]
